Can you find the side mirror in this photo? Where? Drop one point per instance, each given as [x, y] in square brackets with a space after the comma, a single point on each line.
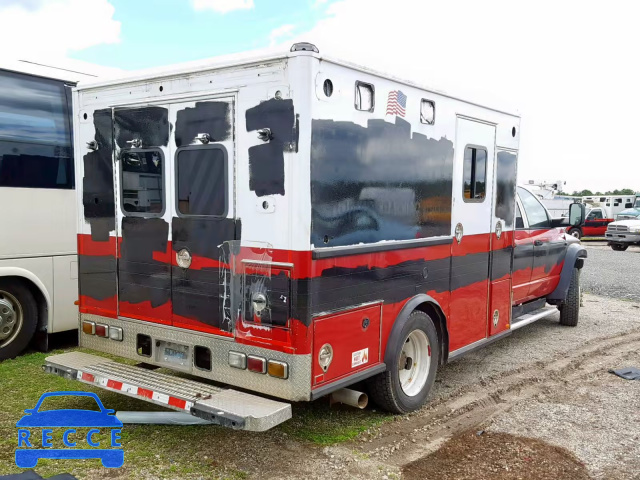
[576, 214]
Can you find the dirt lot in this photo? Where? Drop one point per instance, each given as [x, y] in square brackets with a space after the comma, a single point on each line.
[540, 403]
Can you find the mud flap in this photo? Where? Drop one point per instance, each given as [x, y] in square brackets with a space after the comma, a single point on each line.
[226, 407]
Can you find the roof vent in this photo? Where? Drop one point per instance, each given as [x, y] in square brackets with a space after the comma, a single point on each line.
[304, 47]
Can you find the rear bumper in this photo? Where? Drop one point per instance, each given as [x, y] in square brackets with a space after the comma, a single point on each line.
[297, 387]
[622, 237]
[226, 407]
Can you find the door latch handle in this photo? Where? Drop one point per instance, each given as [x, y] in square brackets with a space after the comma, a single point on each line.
[538, 243]
[135, 143]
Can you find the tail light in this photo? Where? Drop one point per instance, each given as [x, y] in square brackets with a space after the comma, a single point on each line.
[115, 333]
[278, 369]
[88, 327]
[102, 330]
[256, 364]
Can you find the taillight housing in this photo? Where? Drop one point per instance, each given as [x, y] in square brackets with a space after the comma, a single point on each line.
[88, 327]
[256, 364]
[102, 330]
[115, 333]
[278, 369]
[237, 360]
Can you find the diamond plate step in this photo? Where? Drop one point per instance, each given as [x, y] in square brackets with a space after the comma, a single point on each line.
[221, 406]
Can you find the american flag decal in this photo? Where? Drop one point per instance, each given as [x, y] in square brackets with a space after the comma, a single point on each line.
[396, 103]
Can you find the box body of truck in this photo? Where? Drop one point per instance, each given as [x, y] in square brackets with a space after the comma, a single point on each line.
[267, 223]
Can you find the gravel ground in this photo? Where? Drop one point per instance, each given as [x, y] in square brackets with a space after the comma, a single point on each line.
[614, 274]
[598, 421]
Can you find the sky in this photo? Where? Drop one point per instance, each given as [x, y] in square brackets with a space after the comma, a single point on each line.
[569, 67]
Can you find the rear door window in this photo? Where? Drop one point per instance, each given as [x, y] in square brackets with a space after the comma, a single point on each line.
[202, 181]
[142, 182]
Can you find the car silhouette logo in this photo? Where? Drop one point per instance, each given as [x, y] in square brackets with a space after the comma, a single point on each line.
[32, 448]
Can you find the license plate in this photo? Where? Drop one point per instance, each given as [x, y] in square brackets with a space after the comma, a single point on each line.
[173, 354]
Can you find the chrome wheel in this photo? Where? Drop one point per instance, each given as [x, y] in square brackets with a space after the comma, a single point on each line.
[11, 318]
[575, 233]
[414, 363]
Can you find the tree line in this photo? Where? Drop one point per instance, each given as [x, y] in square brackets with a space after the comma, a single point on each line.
[588, 193]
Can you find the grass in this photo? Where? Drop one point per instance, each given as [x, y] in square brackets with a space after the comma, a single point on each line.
[160, 451]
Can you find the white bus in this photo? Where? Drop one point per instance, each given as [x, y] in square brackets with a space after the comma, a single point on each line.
[38, 262]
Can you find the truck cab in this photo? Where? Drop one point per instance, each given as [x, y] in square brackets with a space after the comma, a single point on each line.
[595, 224]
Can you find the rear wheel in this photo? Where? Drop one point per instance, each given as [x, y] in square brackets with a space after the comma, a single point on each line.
[406, 383]
[570, 309]
[575, 232]
[18, 317]
[618, 247]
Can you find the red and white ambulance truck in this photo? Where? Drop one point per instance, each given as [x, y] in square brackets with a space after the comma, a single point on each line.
[292, 225]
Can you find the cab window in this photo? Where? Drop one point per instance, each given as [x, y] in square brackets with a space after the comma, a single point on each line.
[595, 215]
[533, 209]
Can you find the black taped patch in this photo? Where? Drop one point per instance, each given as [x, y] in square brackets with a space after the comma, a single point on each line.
[197, 293]
[506, 187]
[97, 185]
[378, 182]
[141, 277]
[206, 117]
[266, 161]
[148, 124]
[97, 276]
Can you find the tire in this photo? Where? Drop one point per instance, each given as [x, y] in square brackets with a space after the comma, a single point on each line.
[619, 247]
[570, 309]
[18, 317]
[386, 388]
[575, 232]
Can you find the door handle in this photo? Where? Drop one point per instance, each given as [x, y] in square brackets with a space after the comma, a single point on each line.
[538, 243]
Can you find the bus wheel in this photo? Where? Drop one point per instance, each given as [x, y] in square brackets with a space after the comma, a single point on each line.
[570, 310]
[575, 232]
[406, 383]
[18, 317]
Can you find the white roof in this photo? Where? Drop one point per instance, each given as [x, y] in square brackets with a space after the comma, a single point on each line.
[68, 70]
[256, 57]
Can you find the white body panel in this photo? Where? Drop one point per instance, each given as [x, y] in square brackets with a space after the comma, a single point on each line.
[39, 241]
[298, 76]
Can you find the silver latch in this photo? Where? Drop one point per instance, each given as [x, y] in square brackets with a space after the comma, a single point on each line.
[204, 138]
[135, 143]
[265, 134]
[92, 145]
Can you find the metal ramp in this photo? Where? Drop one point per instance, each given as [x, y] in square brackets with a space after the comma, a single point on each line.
[531, 317]
[226, 407]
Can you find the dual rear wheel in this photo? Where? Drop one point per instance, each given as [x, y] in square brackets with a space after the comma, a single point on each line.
[406, 383]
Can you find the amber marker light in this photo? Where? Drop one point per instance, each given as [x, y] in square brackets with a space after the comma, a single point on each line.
[89, 328]
[278, 369]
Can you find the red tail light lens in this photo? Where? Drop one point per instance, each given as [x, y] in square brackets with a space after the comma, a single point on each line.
[256, 364]
[102, 330]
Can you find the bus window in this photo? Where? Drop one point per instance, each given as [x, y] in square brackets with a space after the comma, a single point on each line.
[35, 134]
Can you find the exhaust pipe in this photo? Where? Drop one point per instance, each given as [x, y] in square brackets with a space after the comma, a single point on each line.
[349, 397]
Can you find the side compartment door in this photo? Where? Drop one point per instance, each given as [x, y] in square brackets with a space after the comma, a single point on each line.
[203, 213]
[502, 241]
[473, 174]
[143, 215]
